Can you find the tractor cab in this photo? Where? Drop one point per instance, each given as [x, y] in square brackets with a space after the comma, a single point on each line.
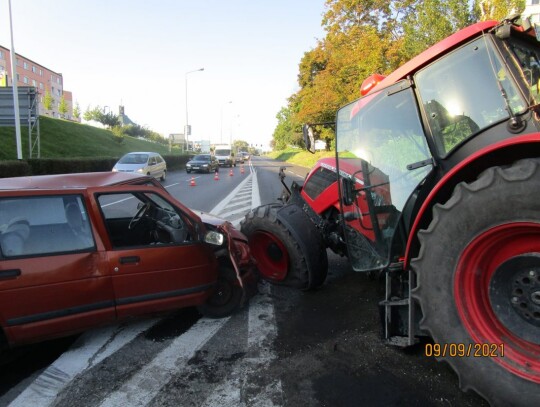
[433, 114]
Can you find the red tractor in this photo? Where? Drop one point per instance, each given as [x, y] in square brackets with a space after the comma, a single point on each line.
[436, 184]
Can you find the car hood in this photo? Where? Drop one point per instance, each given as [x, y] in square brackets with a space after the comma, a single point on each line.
[129, 167]
[198, 162]
[221, 224]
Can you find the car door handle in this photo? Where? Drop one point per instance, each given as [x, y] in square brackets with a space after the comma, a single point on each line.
[129, 259]
[12, 273]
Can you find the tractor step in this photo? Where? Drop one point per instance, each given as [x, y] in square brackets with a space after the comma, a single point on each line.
[397, 308]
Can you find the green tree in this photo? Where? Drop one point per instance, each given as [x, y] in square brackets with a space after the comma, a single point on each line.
[286, 132]
[93, 114]
[62, 106]
[432, 21]
[497, 9]
[77, 111]
[109, 119]
[47, 101]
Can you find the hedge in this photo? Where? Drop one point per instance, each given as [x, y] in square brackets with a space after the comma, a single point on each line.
[43, 166]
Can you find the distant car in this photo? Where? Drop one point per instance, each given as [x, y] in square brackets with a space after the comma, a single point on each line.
[245, 155]
[239, 158]
[145, 163]
[82, 250]
[203, 163]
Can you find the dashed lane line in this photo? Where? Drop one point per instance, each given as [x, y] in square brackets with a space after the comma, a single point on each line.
[147, 382]
[90, 349]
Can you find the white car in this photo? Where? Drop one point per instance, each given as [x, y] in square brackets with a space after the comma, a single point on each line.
[146, 163]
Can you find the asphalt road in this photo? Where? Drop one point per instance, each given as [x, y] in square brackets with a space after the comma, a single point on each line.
[286, 348]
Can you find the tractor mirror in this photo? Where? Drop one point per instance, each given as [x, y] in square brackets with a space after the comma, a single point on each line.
[348, 191]
[309, 138]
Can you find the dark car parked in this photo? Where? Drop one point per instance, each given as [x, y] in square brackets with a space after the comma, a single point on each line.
[203, 163]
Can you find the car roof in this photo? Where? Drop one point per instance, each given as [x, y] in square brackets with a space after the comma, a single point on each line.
[73, 181]
[143, 152]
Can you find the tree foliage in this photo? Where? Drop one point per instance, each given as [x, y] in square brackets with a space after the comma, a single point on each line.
[48, 100]
[62, 106]
[364, 37]
[97, 114]
[77, 111]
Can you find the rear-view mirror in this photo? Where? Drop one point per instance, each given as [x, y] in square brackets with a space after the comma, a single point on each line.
[309, 138]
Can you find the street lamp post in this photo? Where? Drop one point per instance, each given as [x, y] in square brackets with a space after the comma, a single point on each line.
[187, 129]
[222, 106]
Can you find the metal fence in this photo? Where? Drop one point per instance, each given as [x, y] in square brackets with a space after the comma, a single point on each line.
[28, 114]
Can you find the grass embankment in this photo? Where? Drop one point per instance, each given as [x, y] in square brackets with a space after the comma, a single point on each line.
[300, 157]
[64, 139]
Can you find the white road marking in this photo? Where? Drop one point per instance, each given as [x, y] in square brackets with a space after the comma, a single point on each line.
[147, 382]
[247, 372]
[220, 206]
[91, 348]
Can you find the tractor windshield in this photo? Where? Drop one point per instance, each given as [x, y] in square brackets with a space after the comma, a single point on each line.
[382, 157]
[466, 92]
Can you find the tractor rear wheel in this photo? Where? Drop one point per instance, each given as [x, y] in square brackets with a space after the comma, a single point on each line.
[478, 273]
[287, 246]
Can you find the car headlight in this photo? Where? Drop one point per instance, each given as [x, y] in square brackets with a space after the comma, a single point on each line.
[188, 165]
[205, 165]
[214, 238]
[140, 170]
[115, 169]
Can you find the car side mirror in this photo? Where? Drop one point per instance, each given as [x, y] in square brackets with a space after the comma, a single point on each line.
[309, 138]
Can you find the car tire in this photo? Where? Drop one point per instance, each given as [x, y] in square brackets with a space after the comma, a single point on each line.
[188, 171]
[163, 176]
[227, 297]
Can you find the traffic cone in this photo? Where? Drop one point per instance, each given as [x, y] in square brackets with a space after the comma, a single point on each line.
[242, 169]
[231, 173]
[216, 176]
[192, 182]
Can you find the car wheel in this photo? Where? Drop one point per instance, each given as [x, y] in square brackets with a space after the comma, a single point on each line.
[164, 175]
[227, 297]
[188, 171]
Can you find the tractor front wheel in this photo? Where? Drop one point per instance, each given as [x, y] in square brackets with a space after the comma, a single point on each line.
[478, 273]
[287, 246]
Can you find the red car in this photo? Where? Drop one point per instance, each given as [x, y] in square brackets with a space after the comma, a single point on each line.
[82, 250]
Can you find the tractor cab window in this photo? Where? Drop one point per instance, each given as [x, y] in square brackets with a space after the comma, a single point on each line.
[466, 92]
[527, 57]
[382, 157]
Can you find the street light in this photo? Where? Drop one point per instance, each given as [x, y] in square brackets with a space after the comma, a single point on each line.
[187, 129]
[223, 105]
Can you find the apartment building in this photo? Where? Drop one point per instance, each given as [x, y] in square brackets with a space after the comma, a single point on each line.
[46, 82]
[532, 10]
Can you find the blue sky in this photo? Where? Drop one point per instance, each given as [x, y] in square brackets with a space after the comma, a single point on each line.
[138, 52]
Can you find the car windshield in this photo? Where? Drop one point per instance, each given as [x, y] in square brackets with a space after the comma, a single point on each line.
[223, 152]
[134, 159]
[202, 157]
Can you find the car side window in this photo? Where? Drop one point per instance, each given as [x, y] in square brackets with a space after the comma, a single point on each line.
[44, 225]
[135, 219]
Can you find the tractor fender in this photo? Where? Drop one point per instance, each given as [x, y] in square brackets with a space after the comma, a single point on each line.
[501, 153]
[305, 233]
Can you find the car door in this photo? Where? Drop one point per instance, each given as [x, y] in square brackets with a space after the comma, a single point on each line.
[53, 280]
[154, 253]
